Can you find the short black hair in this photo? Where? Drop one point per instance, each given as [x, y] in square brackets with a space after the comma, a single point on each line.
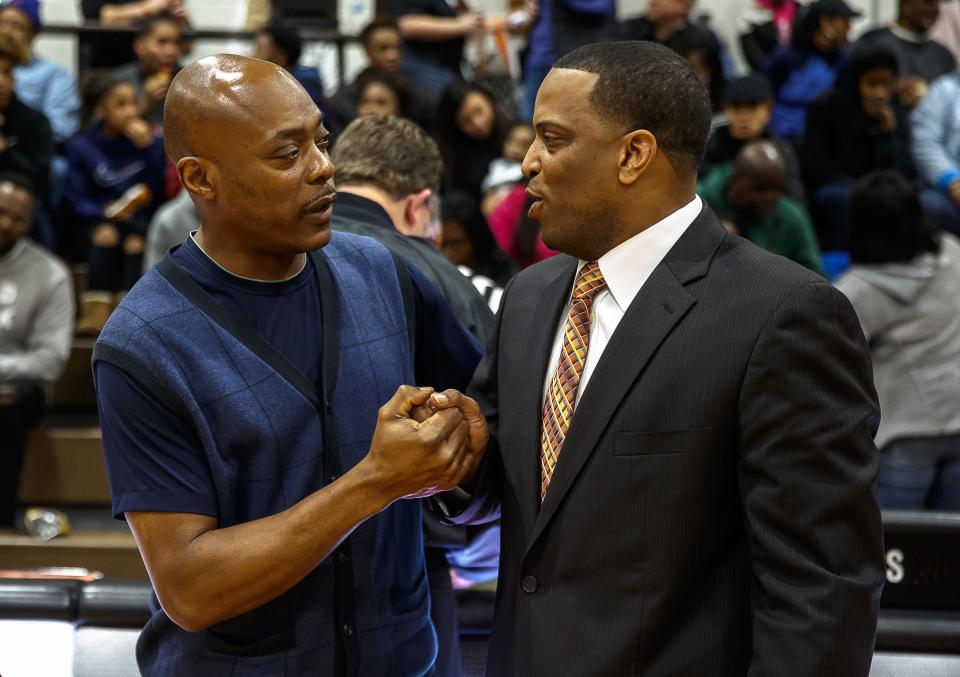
[395, 85]
[287, 40]
[95, 86]
[375, 25]
[145, 26]
[644, 85]
[20, 181]
[886, 222]
[750, 90]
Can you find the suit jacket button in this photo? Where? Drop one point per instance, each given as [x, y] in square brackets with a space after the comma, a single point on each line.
[530, 584]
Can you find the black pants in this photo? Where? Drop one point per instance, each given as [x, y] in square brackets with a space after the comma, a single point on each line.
[443, 613]
[16, 422]
[112, 269]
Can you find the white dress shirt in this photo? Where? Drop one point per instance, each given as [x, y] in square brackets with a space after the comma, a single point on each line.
[625, 268]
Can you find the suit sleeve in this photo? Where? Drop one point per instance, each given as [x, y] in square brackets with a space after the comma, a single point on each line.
[446, 352]
[806, 470]
[483, 505]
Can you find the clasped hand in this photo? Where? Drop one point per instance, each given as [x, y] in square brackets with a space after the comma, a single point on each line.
[427, 442]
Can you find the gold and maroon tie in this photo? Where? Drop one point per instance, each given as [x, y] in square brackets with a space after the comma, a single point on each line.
[562, 393]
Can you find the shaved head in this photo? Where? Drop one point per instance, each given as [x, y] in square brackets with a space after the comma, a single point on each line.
[251, 150]
[225, 89]
[757, 181]
[758, 158]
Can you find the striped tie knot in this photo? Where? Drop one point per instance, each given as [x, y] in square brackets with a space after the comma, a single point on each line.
[589, 282]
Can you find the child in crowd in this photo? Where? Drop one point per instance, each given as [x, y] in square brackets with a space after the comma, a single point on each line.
[115, 182]
[505, 172]
[380, 94]
[903, 284]
[469, 245]
[515, 232]
[470, 133]
[747, 104]
[858, 128]
[158, 46]
[808, 68]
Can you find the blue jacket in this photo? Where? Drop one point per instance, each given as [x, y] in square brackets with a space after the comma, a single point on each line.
[799, 77]
[102, 168]
[370, 597]
[48, 88]
[936, 133]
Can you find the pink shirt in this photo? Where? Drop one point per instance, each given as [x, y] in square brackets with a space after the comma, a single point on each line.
[505, 222]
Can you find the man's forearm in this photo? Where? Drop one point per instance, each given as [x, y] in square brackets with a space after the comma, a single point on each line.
[223, 573]
[125, 15]
[431, 28]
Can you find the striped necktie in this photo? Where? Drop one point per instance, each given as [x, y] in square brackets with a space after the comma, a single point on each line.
[562, 393]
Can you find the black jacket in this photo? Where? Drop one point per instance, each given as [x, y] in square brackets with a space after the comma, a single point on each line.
[712, 511]
[842, 143]
[360, 216]
[29, 143]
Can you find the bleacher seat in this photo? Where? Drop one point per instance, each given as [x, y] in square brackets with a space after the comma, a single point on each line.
[918, 634]
[64, 465]
[74, 391]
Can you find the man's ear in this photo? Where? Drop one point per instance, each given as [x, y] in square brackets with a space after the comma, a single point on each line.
[198, 177]
[413, 214]
[637, 153]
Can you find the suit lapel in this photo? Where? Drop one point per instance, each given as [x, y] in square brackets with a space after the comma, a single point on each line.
[658, 307]
[661, 303]
[544, 308]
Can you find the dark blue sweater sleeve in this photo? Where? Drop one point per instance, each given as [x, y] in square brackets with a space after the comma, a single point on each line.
[155, 461]
[446, 353]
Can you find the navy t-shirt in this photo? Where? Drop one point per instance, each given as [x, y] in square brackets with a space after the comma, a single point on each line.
[155, 461]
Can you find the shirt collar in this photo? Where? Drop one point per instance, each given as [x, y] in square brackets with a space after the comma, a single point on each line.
[908, 35]
[353, 207]
[193, 240]
[628, 265]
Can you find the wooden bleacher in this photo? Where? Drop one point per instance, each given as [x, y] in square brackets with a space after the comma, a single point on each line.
[115, 554]
[64, 469]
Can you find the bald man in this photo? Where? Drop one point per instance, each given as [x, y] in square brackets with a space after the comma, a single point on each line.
[239, 384]
[749, 198]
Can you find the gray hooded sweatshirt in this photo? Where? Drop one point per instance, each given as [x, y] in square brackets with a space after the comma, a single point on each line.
[910, 314]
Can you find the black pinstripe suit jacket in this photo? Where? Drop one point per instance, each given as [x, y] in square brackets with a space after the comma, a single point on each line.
[712, 512]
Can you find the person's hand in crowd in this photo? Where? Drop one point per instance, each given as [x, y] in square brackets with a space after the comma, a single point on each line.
[138, 131]
[479, 434]
[154, 7]
[416, 459]
[521, 19]
[470, 22]
[177, 9]
[910, 90]
[882, 112]
[155, 87]
[954, 192]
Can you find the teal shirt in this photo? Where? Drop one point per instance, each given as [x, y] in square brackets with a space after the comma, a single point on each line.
[786, 231]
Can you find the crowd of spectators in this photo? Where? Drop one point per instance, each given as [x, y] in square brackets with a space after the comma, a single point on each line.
[821, 146]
